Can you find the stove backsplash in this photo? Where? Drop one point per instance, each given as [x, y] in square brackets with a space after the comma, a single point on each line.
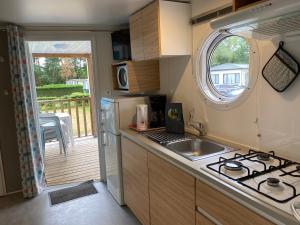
[279, 113]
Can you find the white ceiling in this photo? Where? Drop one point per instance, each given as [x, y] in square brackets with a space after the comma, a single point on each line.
[68, 12]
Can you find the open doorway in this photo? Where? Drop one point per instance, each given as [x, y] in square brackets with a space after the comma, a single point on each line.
[63, 73]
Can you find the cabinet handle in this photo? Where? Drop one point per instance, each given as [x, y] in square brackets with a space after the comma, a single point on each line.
[208, 216]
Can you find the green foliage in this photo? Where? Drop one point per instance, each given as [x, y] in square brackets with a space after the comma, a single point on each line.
[232, 49]
[80, 68]
[46, 98]
[50, 104]
[75, 95]
[52, 69]
[59, 86]
[58, 90]
[58, 70]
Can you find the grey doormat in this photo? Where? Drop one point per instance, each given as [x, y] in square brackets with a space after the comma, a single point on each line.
[67, 194]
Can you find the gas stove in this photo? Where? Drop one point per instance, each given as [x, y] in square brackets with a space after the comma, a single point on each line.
[268, 177]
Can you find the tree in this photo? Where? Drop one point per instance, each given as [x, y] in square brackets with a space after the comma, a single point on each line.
[67, 69]
[38, 72]
[80, 67]
[232, 49]
[58, 70]
[52, 69]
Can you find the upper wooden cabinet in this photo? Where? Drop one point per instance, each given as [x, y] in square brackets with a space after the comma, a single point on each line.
[143, 76]
[240, 4]
[161, 29]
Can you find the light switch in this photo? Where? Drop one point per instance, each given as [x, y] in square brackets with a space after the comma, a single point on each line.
[2, 60]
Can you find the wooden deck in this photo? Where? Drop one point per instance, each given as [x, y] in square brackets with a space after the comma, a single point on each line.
[81, 164]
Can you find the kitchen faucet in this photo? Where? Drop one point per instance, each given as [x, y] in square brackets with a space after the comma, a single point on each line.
[200, 127]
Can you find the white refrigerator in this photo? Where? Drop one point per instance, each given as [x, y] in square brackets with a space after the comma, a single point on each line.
[116, 113]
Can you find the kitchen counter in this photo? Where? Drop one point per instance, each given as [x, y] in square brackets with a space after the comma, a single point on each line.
[194, 168]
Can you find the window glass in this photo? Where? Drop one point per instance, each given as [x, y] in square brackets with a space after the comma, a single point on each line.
[228, 66]
[215, 78]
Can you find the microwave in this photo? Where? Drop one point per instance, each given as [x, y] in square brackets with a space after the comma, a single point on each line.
[122, 77]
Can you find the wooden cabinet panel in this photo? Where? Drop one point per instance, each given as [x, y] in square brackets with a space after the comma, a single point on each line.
[165, 30]
[172, 194]
[143, 76]
[224, 209]
[135, 179]
[202, 220]
[136, 36]
[150, 31]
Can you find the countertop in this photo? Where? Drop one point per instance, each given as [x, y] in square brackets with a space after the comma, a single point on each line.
[193, 167]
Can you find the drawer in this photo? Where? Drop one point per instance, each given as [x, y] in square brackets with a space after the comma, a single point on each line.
[224, 209]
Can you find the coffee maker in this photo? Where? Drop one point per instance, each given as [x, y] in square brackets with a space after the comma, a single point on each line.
[157, 105]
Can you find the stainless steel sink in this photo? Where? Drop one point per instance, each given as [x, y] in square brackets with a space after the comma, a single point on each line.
[195, 149]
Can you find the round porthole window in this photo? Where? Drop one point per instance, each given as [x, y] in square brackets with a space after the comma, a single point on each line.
[226, 69]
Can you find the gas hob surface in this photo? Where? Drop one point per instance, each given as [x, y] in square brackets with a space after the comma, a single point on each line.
[270, 178]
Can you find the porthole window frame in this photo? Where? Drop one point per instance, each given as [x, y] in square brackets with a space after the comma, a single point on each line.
[201, 72]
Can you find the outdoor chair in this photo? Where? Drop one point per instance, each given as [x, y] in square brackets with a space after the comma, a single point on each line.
[51, 129]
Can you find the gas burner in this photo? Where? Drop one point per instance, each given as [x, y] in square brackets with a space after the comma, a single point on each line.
[233, 165]
[264, 156]
[273, 182]
[253, 164]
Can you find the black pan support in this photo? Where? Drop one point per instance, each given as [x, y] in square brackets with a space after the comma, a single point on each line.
[282, 163]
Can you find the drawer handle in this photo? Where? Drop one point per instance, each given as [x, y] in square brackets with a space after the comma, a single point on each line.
[208, 216]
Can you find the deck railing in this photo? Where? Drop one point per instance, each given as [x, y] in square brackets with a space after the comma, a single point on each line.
[80, 110]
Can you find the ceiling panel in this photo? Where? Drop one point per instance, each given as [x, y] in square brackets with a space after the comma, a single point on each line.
[69, 12]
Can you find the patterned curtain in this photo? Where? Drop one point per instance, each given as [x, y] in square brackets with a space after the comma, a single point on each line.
[31, 161]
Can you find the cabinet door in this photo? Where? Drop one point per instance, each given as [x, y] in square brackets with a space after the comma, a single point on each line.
[172, 194]
[202, 220]
[136, 36]
[150, 29]
[135, 179]
[225, 210]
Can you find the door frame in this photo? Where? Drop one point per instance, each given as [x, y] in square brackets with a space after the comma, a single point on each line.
[2, 180]
[78, 36]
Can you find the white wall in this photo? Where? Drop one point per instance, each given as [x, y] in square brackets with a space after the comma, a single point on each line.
[277, 114]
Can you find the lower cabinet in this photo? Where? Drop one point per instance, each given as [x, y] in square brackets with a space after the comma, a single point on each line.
[154, 188]
[135, 179]
[172, 194]
[223, 209]
[159, 193]
[202, 220]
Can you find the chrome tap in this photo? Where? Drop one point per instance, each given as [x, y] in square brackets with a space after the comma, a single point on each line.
[200, 127]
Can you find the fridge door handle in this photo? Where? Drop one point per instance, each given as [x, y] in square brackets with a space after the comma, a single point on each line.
[103, 137]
